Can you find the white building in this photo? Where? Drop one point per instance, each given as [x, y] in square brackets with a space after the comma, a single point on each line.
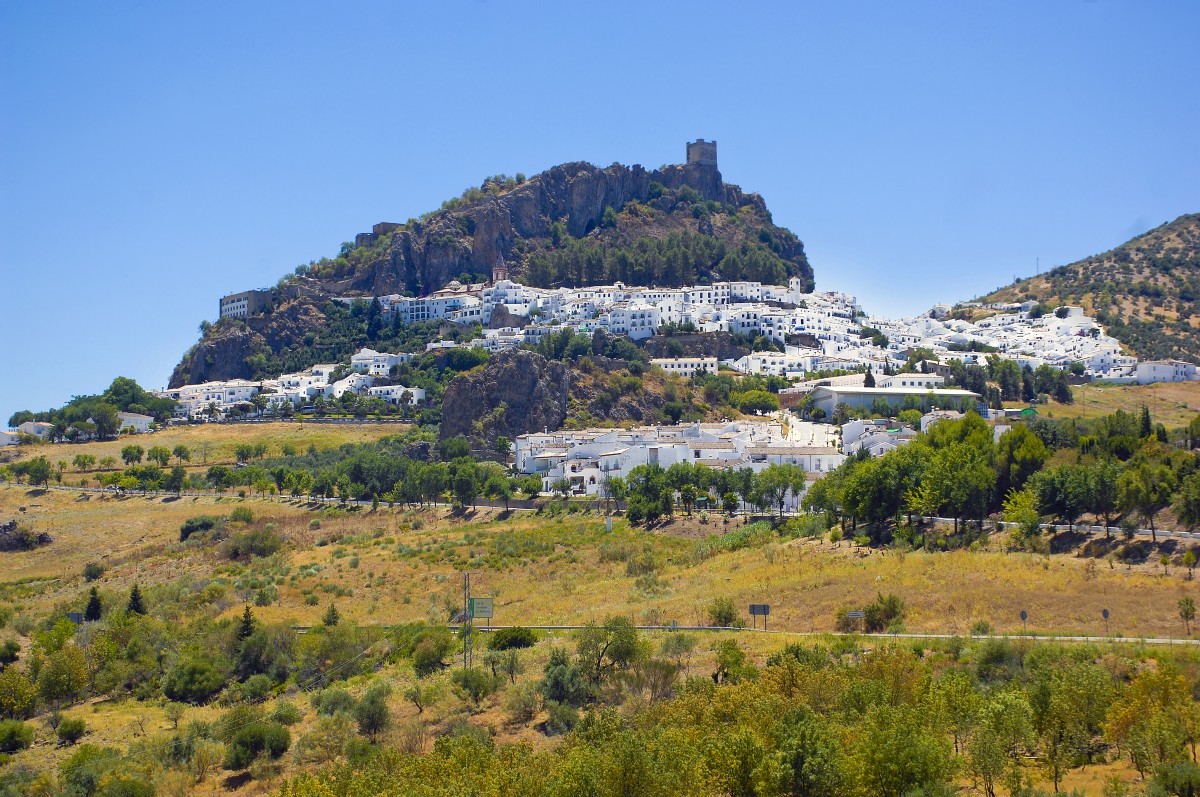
[36, 428]
[1164, 371]
[686, 367]
[397, 394]
[136, 421]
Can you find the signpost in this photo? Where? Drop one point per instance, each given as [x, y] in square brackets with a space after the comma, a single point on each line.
[1104, 613]
[762, 610]
[856, 616]
[1024, 617]
[481, 609]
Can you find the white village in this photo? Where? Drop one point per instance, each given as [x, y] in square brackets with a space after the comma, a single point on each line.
[831, 353]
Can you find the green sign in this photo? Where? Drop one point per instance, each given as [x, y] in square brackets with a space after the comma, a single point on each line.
[480, 608]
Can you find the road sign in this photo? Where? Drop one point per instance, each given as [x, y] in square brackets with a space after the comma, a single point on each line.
[760, 609]
[1104, 614]
[480, 608]
[75, 617]
[1024, 615]
[856, 615]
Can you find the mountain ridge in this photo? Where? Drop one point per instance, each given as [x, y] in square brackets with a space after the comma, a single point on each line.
[1146, 292]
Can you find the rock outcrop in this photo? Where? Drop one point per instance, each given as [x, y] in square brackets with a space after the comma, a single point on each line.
[515, 393]
[470, 238]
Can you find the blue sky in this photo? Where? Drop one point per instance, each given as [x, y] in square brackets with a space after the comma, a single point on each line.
[154, 156]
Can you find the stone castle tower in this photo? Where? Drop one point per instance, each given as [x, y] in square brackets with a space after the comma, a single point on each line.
[702, 153]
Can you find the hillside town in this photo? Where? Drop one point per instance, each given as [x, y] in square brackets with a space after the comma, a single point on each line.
[817, 331]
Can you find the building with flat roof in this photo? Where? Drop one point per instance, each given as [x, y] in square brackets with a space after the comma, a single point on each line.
[826, 398]
[246, 303]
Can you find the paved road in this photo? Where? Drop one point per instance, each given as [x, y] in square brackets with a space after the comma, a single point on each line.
[881, 637]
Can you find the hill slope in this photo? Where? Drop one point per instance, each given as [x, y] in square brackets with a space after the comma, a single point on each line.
[572, 225]
[1146, 291]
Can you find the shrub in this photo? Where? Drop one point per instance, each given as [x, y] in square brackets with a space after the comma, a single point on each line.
[430, 650]
[981, 628]
[372, 713]
[722, 612]
[256, 542]
[511, 638]
[256, 688]
[242, 514]
[332, 701]
[562, 718]
[194, 680]
[14, 735]
[522, 703]
[196, 524]
[92, 571]
[269, 738]
[286, 713]
[70, 731]
[476, 683]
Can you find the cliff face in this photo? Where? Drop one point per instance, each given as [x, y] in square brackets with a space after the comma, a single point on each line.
[223, 353]
[515, 393]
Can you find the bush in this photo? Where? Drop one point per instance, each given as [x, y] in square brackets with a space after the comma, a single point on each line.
[332, 701]
[286, 713]
[522, 703]
[722, 612]
[256, 688]
[476, 683]
[70, 731]
[194, 680]
[512, 638]
[562, 718]
[196, 524]
[242, 514]
[249, 743]
[92, 571]
[430, 650]
[14, 735]
[256, 542]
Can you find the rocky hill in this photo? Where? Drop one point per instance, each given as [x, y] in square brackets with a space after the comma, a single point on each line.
[1146, 292]
[572, 225]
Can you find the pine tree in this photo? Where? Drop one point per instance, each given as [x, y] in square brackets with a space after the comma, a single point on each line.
[1147, 427]
[136, 605]
[92, 612]
[331, 617]
[869, 379]
[246, 627]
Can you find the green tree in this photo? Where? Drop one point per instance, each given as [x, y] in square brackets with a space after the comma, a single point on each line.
[247, 625]
[136, 604]
[331, 617]
[897, 753]
[1146, 489]
[132, 454]
[603, 647]
[91, 612]
[159, 454]
[1187, 503]
[182, 453]
[372, 713]
[755, 402]
[1004, 736]
[1187, 613]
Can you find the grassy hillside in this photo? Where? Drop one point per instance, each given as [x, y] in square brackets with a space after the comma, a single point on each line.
[1173, 404]
[1145, 291]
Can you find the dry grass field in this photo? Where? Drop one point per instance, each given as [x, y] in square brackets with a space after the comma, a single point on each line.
[214, 444]
[1172, 404]
[395, 565]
